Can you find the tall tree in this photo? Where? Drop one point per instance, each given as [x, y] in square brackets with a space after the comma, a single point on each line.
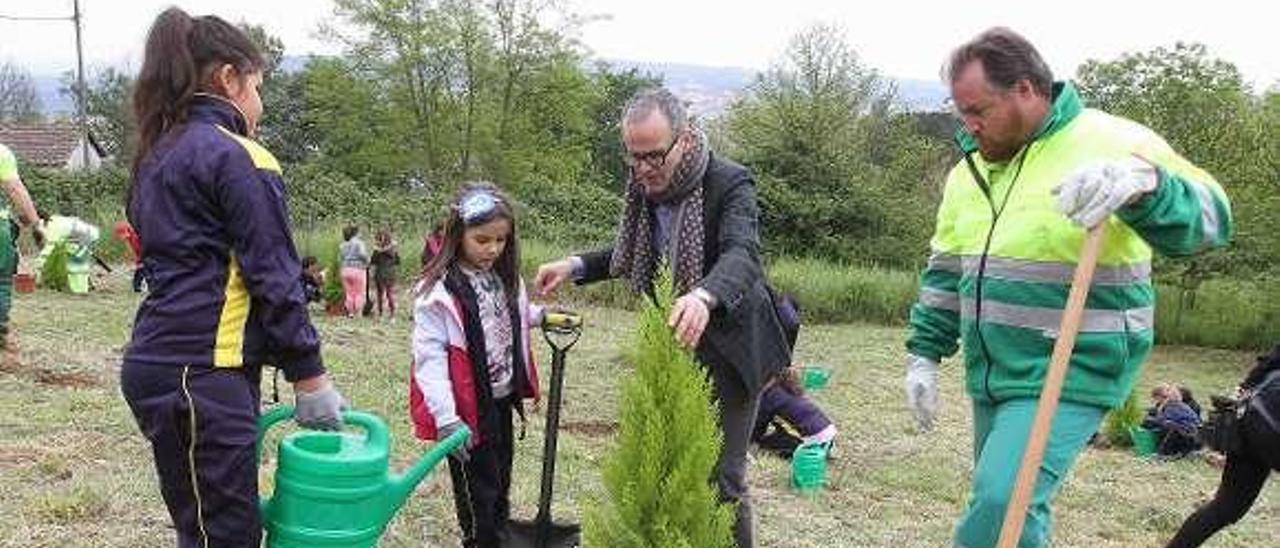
[842, 172]
[107, 108]
[1202, 106]
[19, 101]
[283, 128]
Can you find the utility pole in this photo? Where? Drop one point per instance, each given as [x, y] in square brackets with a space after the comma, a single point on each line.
[83, 112]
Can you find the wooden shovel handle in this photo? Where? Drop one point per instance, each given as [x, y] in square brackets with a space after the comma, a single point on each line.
[1016, 513]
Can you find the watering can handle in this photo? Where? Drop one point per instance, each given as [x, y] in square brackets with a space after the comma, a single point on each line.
[373, 426]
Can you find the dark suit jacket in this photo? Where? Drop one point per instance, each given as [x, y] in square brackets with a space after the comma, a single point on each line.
[744, 332]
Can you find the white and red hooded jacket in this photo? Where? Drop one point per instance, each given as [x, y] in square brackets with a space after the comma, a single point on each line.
[444, 386]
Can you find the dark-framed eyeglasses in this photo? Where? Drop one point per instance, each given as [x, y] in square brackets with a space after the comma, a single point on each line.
[655, 159]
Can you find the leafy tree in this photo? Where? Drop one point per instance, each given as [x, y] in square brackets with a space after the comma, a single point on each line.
[19, 101]
[1202, 106]
[842, 172]
[107, 107]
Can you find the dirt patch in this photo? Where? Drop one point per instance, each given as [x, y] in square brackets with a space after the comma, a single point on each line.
[590, 429]
[71, 378]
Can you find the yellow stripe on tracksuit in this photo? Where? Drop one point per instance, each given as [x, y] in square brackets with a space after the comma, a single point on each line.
[228, 348]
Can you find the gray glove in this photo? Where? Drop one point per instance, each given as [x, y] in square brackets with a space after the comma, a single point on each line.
[319, 410]
[461, 453]
[922, 389]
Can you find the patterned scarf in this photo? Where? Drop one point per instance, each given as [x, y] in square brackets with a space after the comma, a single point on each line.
[634, 256]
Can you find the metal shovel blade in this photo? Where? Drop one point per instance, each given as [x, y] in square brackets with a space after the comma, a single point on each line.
[524, 534]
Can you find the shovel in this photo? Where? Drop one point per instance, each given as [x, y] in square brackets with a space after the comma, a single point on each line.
[1016, 513]
[561, 329]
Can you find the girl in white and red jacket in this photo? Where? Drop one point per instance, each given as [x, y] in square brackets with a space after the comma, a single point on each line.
[472, 362]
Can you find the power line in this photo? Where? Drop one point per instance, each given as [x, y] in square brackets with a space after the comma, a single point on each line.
[33, 18]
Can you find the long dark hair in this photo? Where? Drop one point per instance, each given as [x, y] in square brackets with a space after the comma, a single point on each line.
[508, 264]
[181, 54]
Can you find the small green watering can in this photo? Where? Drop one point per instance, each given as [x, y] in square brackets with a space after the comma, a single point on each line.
[333, 488]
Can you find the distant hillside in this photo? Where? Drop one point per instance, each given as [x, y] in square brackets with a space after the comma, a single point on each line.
[712, 89]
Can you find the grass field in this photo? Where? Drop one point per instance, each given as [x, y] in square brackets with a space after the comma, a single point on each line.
[75, 471]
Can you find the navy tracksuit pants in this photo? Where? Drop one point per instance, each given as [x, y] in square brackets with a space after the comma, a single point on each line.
[203, 426]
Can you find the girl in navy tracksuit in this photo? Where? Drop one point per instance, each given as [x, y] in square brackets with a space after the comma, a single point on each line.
[472, 360]
[223, 276]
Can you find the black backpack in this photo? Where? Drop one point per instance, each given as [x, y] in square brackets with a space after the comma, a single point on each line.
[1221, 431]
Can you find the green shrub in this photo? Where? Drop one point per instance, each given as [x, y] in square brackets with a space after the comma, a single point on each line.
[1119, 421]
[53, 273]
[656, 476]
[1220, 314]
[830, 292]
[332, 293]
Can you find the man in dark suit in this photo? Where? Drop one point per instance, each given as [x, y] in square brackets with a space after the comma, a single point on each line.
[689, 209]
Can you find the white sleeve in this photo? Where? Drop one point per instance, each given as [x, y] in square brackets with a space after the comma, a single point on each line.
[431, 361]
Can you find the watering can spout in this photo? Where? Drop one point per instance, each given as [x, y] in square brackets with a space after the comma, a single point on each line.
[400, 486]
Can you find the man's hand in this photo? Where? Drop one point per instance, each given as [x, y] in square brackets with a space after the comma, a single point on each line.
[1094, 192]
[551, 275]
[922, 390]
[689, 317]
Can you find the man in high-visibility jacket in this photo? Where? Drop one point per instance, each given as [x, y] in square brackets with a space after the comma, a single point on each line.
[79, 236]
[1038, 170]
[9, 226]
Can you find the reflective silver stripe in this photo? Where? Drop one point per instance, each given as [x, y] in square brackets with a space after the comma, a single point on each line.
[938, 298]
[945, 262]
[1208, 214]
[1050, 319]
[1024, 270]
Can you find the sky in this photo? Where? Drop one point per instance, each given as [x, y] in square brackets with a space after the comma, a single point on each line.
[902, 38]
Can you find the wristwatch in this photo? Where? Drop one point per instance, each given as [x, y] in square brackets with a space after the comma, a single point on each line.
[704, 296]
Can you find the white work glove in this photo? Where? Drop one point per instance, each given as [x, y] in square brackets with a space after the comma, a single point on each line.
[1092, 193]
[320, 409]
[922, 389]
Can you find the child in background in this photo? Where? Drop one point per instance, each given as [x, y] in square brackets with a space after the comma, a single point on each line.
[385, 261]
[472, 359]
[312, 279]
[796, 420]
[354, 256]
[1174, 422]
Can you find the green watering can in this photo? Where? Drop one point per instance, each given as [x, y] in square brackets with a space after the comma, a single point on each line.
[333, 488]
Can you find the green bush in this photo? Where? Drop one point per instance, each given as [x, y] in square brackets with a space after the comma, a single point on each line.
[1220, 314]
[332, 293]
[656, 476]
[53, 273]
[830, 292]
[1119, 421]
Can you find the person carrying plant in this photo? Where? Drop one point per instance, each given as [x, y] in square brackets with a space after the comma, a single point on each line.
[1038, 169]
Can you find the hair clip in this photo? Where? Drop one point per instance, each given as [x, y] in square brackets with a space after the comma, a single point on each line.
[477, 205]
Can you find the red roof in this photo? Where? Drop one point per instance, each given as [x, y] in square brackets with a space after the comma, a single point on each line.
[44, 145]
